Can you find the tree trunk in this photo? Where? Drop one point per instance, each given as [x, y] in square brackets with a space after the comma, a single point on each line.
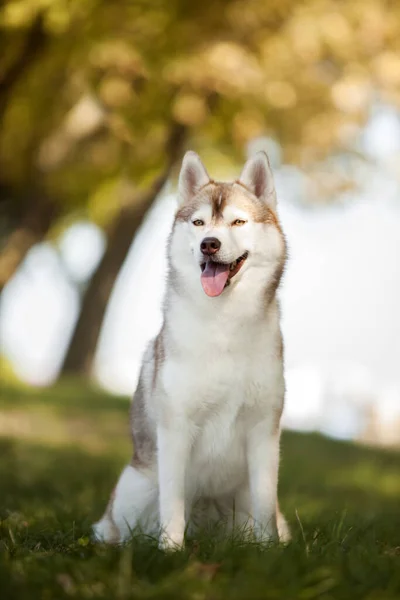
[80, 355]
[38, 212]
[34, 45]
[31, 229]
[81, 352]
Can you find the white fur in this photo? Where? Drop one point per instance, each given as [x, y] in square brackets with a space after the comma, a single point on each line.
[213, 412]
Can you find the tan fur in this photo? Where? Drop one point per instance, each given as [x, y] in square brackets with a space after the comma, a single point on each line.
[272, 288]
[219, 195]
[144, 445]
[159, 355]
[280, 348]
[277, 419]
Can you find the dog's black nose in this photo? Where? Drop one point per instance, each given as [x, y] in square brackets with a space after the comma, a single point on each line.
[210, 245]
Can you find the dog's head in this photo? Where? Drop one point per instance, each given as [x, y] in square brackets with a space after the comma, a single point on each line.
[224, 231]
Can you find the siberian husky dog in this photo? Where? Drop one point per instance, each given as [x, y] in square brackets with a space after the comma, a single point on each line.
[207, 409]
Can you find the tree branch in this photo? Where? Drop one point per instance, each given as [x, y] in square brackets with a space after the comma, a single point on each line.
[33, 46]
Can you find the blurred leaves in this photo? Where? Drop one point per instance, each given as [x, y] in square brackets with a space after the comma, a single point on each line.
[96, 86]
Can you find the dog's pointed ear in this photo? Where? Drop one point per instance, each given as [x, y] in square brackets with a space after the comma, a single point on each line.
[192, 177]
[257, 177]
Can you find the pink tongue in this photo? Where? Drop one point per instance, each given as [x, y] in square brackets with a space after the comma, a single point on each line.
[214, 278]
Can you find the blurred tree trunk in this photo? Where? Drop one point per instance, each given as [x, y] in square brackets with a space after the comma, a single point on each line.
[34, 44]
[32, 226]
[82, 348]
[37, 212]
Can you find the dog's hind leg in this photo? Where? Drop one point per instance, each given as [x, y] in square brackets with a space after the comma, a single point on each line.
[238, 512]
[133, 504]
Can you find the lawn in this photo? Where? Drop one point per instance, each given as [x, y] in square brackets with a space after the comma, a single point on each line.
[61, 451]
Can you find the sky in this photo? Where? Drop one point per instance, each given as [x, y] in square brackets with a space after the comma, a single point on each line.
[340, 297]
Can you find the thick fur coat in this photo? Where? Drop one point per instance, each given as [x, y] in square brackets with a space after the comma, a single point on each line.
[206, 413]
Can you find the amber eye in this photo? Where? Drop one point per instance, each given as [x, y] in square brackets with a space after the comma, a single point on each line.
[239, 222]
[198, 222]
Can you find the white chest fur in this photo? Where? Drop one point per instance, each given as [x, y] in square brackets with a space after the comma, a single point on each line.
[221, 377]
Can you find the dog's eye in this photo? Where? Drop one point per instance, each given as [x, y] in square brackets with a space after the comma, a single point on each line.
[198, 222]
[238, 222]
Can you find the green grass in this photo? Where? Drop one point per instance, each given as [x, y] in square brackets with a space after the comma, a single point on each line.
[61, 451]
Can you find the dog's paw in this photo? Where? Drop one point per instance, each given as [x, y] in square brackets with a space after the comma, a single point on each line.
[266, 534]
[105, 531]
[170, 543]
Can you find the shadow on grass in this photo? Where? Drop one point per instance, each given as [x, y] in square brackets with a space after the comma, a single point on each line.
[346, 498]
[39, 481]
[320, 480]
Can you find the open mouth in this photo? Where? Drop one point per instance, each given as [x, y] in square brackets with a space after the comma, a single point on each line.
[216, 276]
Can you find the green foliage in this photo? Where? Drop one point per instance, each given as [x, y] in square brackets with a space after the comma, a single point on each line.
[89, 89]
[61, 452]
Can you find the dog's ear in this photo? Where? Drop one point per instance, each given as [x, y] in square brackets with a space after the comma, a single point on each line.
[192, 177]
[257, 177]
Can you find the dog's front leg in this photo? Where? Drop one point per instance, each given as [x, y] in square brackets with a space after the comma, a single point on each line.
[172, 459]
[263, 461]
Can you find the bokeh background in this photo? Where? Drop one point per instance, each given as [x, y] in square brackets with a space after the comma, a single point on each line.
[99, 101]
